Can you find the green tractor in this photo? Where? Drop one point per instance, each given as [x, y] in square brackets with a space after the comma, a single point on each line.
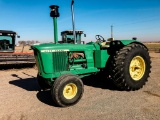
[68, 37]
[61, 66]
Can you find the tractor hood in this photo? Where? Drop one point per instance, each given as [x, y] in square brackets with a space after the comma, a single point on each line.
[51, 59]
[65, 47]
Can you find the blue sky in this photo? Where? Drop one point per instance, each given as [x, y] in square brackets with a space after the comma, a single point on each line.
[130, 18]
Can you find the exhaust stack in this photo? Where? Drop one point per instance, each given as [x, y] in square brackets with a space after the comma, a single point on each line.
[55, 13]
[73, 22]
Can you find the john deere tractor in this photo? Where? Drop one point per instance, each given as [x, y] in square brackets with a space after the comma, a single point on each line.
[68, 37]
[61, 66]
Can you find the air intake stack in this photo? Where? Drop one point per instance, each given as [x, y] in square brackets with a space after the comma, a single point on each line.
[55, 13]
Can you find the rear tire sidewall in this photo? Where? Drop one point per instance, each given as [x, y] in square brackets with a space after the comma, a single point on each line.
[133, 53]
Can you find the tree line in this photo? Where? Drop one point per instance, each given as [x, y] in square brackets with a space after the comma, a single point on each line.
[27, 42]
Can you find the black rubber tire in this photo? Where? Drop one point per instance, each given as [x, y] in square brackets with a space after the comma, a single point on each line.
[42, 84]
[59, 85]
[119, 67]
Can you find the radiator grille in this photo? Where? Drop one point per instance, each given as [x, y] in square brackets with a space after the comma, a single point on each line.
[60, 61]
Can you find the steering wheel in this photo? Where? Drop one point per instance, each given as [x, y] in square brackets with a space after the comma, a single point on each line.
[99, 38]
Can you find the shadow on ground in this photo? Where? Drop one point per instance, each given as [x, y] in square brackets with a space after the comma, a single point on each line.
[45, 97]
[30, 84]
[99, 81]
[16, 66]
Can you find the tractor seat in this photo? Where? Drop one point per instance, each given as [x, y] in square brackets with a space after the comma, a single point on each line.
[105, 44]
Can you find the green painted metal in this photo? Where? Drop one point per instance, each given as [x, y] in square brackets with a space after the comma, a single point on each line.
[68, 37]
[101, 57]
[54, 60]
[126, 42]
[55, 30]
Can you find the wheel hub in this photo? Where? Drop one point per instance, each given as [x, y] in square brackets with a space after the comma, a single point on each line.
[70, 91]
[137, 68]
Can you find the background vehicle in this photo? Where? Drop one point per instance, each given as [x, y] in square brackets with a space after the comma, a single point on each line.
[61, 66]
[8, 56]
[68, 37]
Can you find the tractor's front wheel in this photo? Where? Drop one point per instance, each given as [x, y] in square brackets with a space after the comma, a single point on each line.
[130, 67]
[67, 90]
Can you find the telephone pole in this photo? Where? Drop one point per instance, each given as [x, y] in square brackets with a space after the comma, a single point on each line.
[111, 31]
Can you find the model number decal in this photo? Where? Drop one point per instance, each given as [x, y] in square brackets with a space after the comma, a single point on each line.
[55, 50]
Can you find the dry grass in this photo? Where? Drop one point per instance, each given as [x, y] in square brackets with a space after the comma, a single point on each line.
[153, 46]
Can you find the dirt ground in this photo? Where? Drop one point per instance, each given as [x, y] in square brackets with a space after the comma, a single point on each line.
[24, 49]
[20, 99]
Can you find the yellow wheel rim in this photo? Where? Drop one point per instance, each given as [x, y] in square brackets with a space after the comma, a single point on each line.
[137, 68]
[70, 91]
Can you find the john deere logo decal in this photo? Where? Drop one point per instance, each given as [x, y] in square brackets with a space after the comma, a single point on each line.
[55, 50]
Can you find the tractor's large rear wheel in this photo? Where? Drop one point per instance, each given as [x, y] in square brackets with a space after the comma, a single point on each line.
[67, 90]
[130, 67]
